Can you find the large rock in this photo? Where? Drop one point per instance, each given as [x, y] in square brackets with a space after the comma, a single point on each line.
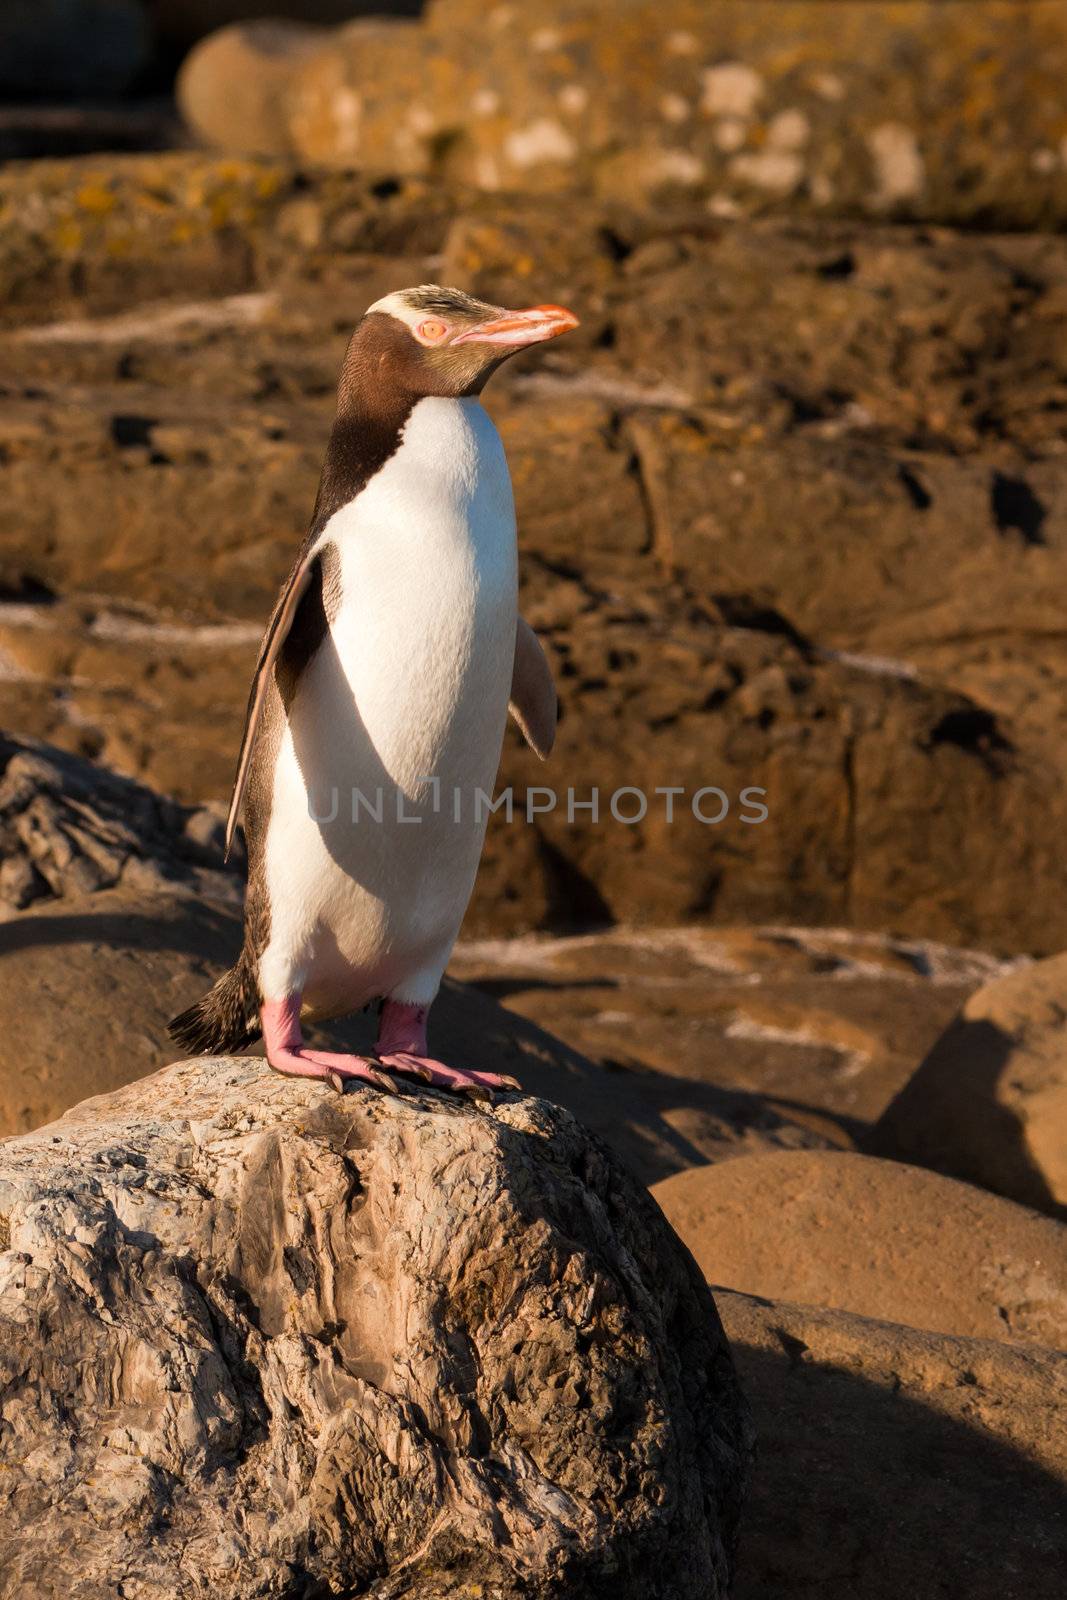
[265, 1338]
[898, 1463]
[829, 1228]
[989, 1102]
[943, 111]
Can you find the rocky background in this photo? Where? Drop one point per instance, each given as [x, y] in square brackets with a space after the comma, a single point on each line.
[793, 516]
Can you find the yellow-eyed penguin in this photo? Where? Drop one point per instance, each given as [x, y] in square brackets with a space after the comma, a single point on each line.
[377, 710]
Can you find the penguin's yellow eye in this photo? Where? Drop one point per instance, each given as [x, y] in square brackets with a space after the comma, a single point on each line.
[432, 330]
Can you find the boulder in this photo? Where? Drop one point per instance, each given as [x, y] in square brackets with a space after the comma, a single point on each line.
[231, 87]
[71, 47]
[944, 112]
[989, 1102]
[270, 1339]
[830, 1228]
[895, 1463]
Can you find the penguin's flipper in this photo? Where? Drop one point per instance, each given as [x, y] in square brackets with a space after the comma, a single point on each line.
[533, 693]
[273, 640]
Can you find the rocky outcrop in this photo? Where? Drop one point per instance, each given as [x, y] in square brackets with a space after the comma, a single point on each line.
[989, 1102]
[803, 103]
[845, 1231]
[898, 1463]
[264, 1337]
[69, 828]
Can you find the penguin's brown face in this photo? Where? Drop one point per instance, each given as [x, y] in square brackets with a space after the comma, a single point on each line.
[435, 341]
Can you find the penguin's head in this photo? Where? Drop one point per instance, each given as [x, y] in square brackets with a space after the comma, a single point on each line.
[436, 341]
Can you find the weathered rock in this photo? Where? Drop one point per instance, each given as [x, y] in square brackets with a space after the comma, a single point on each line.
[989, 1102]
[71, 47]
[69, 828]
[803, 103]
[232, 86]
[112, 231]
[896, 1463]
[828, 1228]
[258, 1336]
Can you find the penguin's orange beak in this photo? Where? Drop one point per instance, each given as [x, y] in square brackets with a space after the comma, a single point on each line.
[517, 328]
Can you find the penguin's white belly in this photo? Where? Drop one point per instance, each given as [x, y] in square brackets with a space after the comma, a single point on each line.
[401, 710]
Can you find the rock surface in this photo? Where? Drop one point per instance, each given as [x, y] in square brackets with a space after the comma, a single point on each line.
[69, 828]
[989, 1102]
[931, 110]
[182, 22]
[851, 1233]
[898, 1463]
[257, 1336]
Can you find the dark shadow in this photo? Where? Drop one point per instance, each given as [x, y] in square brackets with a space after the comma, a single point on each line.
[500, 988]
[207, 931]
[860, 1492]
[976, 732]
[948, 1117]
[1017, 509]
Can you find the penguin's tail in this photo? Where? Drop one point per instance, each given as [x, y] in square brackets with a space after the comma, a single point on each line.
[226, 1019]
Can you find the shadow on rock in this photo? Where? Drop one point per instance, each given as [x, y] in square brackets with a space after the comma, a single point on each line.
[895, 1463]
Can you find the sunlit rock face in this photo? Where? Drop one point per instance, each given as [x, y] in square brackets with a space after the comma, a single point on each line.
[927, 110]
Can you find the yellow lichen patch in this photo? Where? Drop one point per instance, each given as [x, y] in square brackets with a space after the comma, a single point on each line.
[268, 184]
[68, 236]
[96, 198]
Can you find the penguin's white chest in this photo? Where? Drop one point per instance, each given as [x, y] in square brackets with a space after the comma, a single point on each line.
[370, 860]
[426, 625]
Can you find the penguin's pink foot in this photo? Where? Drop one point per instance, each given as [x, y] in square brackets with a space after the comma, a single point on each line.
[477, 1085]
[401, 1048]
[287, 1053]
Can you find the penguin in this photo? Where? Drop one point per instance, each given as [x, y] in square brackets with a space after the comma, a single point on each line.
[379, 700]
